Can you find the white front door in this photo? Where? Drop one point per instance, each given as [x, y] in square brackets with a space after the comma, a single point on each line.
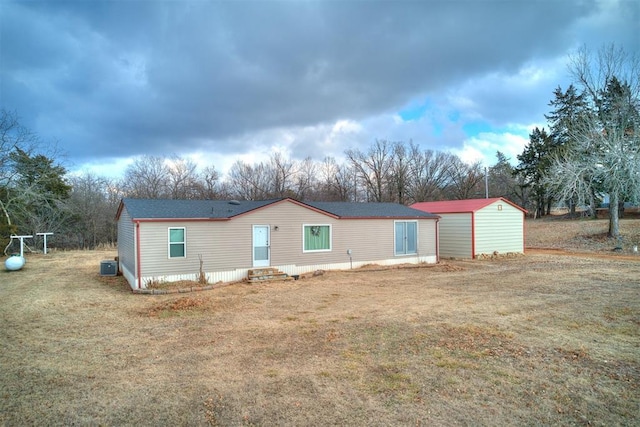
[261, 246]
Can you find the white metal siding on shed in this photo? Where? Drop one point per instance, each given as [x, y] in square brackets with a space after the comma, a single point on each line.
[499, 228]
[455, 235]
[469, 228]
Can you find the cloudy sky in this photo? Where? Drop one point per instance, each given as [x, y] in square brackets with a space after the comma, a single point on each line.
[220, 81]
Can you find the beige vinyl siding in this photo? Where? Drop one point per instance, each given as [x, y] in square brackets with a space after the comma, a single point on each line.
[227, 245]
[427, 244]
[455, 235]
[126, 242]
[499, 227]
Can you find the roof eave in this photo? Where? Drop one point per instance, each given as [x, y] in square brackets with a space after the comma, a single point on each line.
[391, 217]
[120, 208]
[179, 219]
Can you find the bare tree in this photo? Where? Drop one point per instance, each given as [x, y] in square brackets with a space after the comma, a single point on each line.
[305, 179]
[336, 182]
[93, 207]
[248, 182]
[12, 136]
[594, 73]
[182, 178]
[400, 168]
[373, 169]
[147, 178]
[429, 173]
[465, 180]
[280, 173]
[209, 186]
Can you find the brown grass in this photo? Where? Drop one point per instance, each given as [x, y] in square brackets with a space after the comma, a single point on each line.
[540, 339]
[581, 235]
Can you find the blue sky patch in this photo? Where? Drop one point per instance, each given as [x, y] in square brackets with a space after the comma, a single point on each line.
[476, 128]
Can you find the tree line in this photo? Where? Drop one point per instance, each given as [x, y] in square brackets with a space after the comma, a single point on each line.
[395, 172]
[591, 149]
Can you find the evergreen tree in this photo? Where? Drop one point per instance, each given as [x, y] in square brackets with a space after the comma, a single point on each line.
[37, 193]
[569, 108]
[534, 164]
[501, 181]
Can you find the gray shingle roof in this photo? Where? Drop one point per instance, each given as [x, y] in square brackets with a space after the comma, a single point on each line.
[223, 209]
[370, 210]
[189, 209]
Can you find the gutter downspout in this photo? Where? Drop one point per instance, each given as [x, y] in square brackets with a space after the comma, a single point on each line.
[138, 269]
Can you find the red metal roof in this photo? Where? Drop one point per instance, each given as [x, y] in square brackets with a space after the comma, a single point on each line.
[454, 206]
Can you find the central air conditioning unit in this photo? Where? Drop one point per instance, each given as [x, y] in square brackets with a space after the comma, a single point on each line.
[108, 268]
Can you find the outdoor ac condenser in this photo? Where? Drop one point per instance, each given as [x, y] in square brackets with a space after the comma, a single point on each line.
[108, 268]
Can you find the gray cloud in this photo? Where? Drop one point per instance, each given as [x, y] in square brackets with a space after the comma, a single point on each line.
[142, 77]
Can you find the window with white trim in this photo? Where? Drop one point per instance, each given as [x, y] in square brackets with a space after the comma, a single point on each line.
[406, 237]
[316, 238]
[177, 242]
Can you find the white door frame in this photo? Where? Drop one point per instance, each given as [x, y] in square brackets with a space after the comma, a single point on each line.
[261, 262]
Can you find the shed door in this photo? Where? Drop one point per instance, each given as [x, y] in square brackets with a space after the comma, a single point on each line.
[260, 245]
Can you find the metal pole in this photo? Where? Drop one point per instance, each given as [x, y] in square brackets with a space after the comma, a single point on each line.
[486, 183]
[21, 238]
[44, 235]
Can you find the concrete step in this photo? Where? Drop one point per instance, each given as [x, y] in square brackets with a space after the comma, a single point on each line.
[269, 274]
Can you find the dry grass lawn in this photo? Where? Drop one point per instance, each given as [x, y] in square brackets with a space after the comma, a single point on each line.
[533, 340]
[584, 235]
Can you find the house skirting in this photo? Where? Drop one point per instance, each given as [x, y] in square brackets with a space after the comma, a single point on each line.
[130, 276]
[291, 269]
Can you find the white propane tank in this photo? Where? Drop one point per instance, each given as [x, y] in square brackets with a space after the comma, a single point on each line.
[14, 262]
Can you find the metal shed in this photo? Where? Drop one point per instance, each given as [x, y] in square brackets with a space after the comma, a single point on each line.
[473, 227]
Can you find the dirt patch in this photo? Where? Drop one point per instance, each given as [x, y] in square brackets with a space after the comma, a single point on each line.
[441, 266]
[176, 307]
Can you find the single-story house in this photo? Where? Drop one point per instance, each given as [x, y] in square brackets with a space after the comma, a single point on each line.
[165, 240]
[473, 227]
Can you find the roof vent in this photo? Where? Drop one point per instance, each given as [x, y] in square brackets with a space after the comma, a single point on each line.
[234, 202]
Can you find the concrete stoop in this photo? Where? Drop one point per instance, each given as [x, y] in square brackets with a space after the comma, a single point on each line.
[267, 274]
